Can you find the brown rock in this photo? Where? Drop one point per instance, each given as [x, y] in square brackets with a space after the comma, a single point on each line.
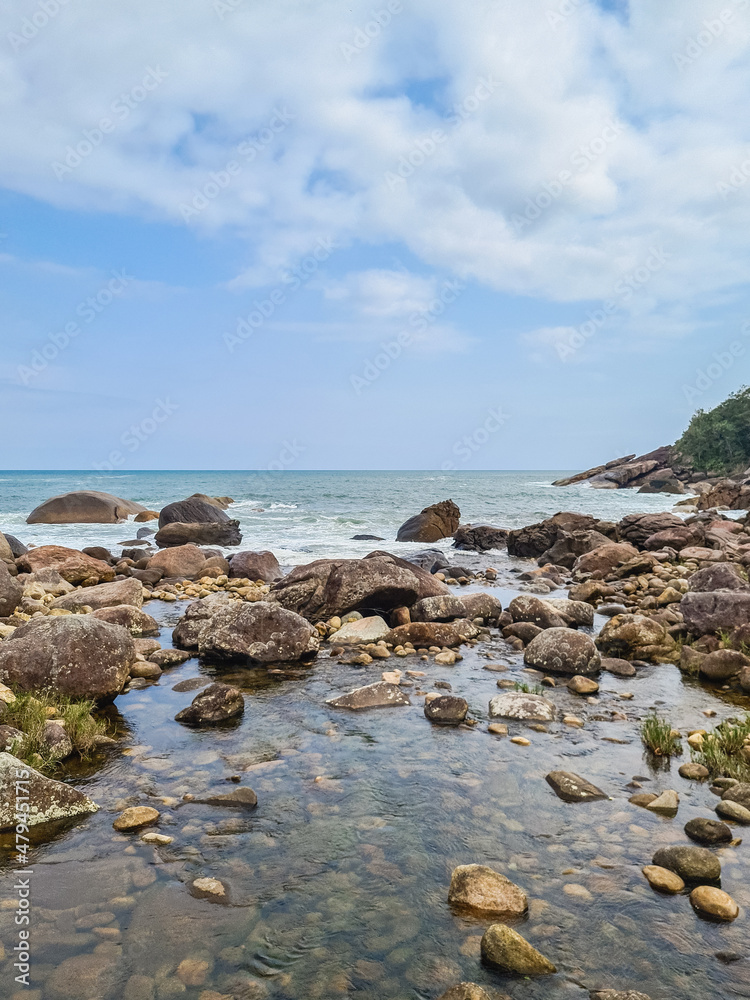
[103, 595]
[129, 617]
[437, 521]
[216, 703]
[714, 904]
[605, 558]
[381, 694]
[72, 565]
[563, 651]
[663, 880]
[723, 664]
[135, 818]
[426, 634]
[485, 891]
[180, 561]
[635, 637]
[256, 566]
[505, 948]
[84, 507]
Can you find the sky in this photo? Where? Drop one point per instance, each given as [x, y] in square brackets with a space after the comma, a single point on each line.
[250, 234]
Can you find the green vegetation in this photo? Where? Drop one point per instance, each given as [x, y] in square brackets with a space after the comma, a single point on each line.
[726, 751]
[526, 689]
[658, 737]
[29, 713]
[718, 441]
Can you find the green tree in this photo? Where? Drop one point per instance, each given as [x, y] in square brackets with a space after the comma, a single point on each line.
[718, 441]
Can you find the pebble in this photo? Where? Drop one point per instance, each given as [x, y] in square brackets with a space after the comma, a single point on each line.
[520, 741]
[668, 803]
[210, 888]
[663, 880]
[498, 729]
[135, 818]
[582, 685]
[573, 720]
[694, 772]
[714, 904]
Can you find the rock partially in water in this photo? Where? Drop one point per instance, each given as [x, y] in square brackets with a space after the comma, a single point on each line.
[261, 632]
[48, 800]
[692, 864]
[738, 793]
[483, 890]
[211, 889]
[733, 811]
[217, 703]
[439, 520]
[377, 695]
[479, 537]
[572, 787]
[635, 637]
[713, 904]
[617, 995]
[618, 667]
[447, 710]
[694, 772]
[135, 818]
[563, 651]
[723, 664]
[224, 533]
[426, 634]
[667, 803]
[518, 705]
[362, 630]
[128, 616]
[708, 831]
[469, 991]
[166, 658]
[582, 685]
[663, 880]
[239, 798]
[505, 948]
[84, 507]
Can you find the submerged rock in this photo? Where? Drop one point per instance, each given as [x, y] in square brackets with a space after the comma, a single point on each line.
[216, 703]
[48, 800]
[505, 948]
[377, 695]
[485, 891]
[572, 788]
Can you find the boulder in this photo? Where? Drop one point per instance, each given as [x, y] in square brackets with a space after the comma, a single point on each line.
[484, 891]
[362, 630]
[571, 546]
[563, 651]
[723, 664]
[447, 710]
[223, 533]
[708, 831]
[692, 864]
[17, 548]
[577, 613]
[726, 493]
[72, 565]
[221, 502]
[605, 558]
[99, 552]
[677, 537]
[535, 539]
[11, 592]
[191, 511]
[635, 637]
[380, 582]
[440, 520]
[738, 793]
[103, 595]
[524, 631]
[49, 581]
[620, 668]
[216, 703]
[572, 788]
[443, 608]
[84, 507]
[381, 694]
[197, 613]
[636, 528]
[624, 476]
[48, 800]
[526, 707]
[663, 483]
[527, 608]
[258, 632]
[7, 554]
[479, 538]
[180, 561]
[426, 634]
[129, 617]
[76, 655]
[713, 904]
[430, 560]
[480, 605]
[505, 948]
[255, 566]
[721, 576]
[715, 611]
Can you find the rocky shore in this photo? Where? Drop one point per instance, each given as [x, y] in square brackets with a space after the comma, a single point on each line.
[560, 618]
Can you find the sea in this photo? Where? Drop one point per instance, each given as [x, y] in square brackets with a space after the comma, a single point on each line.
[306, 515]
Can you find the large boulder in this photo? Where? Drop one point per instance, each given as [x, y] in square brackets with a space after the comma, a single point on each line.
[103, 595]
[137, 622]
[527, 608]
[570, 546]
[72, 565]
[715, 611]
[535, 539]
[678, 537]
[426, 634]
[224, 533]
[76, 655]
[440, 520]
[197, 613]
[17, 548]
[216, 703]
[379, 582]
[479, 538]
[256, 566]
[563, 651]
[726, 493]
[721, 576]
[605, 558]
[47, 800]
[636, 528]
[180, 561]
[11, 592]
[444, 608]
[482, 605]
[259, 632]
[635, 637]
[84, 507]
[191, 511]
[723, 664]
[576, 613]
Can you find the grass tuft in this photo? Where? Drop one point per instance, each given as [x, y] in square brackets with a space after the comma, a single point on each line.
[29, 713]
[658, 738]
[726, 751]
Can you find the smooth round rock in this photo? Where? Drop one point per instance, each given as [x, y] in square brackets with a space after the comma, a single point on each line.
[447, 710]
[484, 890]
[505, 948]
[135, 818]
[693, 864]
[694, 772]
[582, 685]
[663, 880]
[714, 904]
[708, 831]
[733, 811]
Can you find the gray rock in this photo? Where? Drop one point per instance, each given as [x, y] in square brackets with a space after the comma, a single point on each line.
[377, 695]
[708, 831]
[11, 592]
[720, 576]
[482, 606]
[362, 630]
[226, 532]
[260, 632]
[563, 651]
[733, 811]
[738, 793]
[692, 864]
[526, 707]
[103, 595]
[442, 608]
[48, 800]
[216, 703]
[715, 611]
[191, 511]
[572, 788]
[448, 710]
[541, 613]
[238, 798]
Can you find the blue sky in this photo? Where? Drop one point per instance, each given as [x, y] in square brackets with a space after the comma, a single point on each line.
[426, 215]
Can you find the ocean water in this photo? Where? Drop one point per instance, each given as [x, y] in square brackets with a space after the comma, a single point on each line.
[303, 516]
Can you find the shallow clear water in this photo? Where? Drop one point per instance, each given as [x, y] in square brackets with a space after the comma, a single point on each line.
[303, 516]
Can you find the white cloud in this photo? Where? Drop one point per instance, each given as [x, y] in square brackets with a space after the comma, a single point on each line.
[551, 96]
